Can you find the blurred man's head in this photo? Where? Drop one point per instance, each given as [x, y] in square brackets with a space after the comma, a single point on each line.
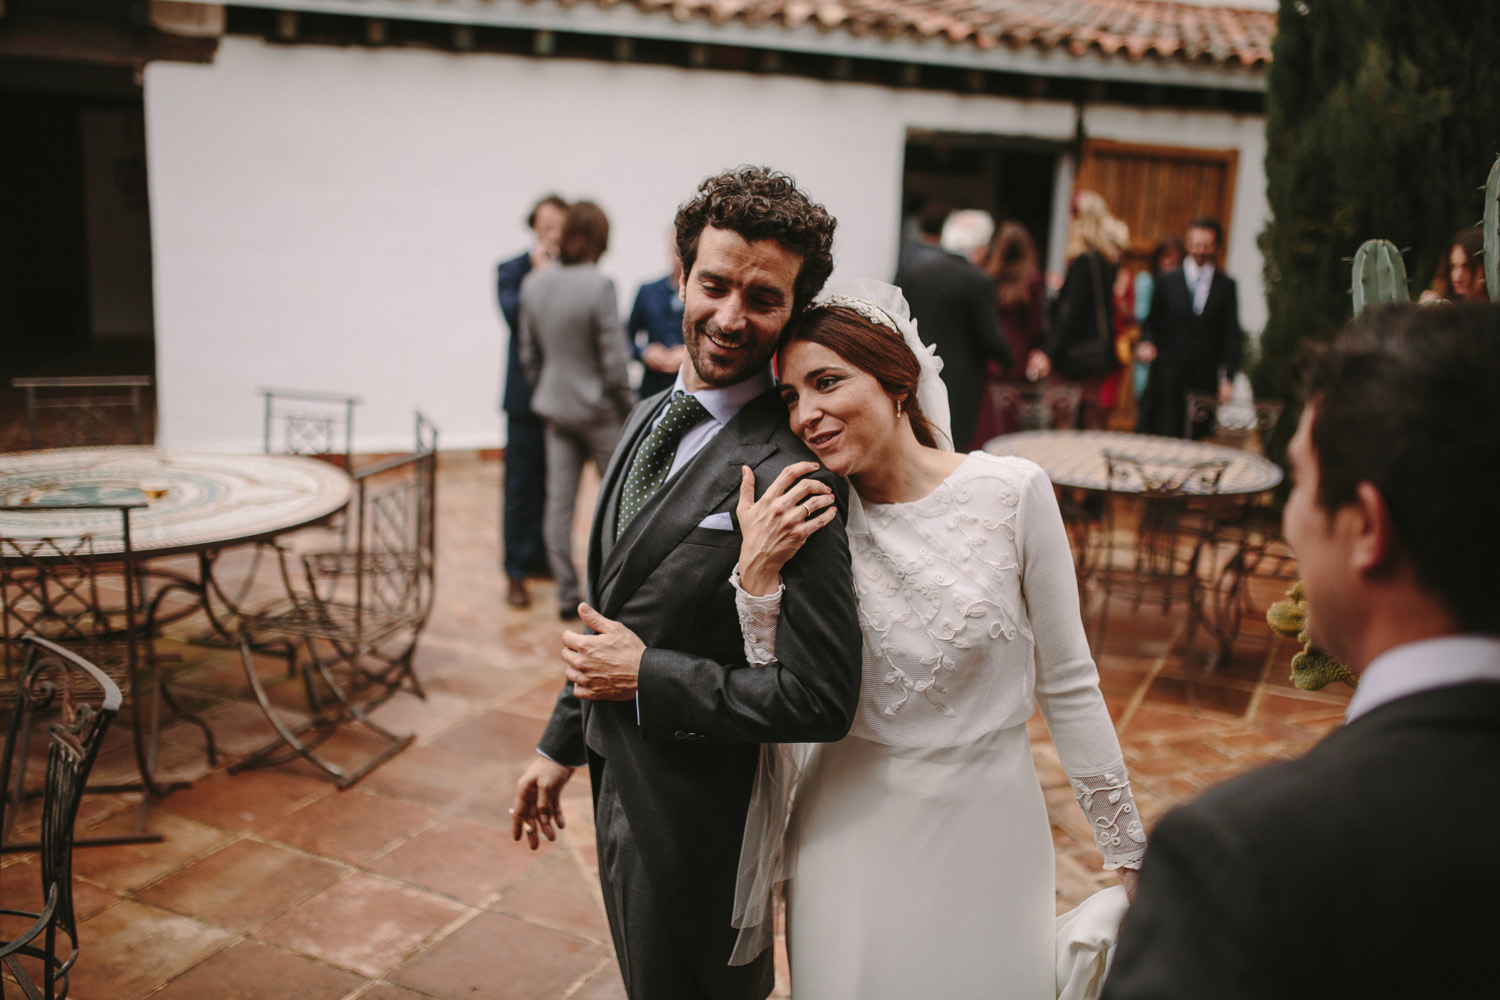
[1204, 237]
[1396, 464]
[967, 233]
[546, 222]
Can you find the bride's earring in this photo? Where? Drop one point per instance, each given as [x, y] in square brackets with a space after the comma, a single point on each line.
[898, 409]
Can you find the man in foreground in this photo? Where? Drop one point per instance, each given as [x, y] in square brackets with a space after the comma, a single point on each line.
[1364, 869]
[660, 701]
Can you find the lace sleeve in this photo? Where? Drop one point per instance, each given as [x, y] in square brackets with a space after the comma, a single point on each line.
[1110, 809]
[758, 619]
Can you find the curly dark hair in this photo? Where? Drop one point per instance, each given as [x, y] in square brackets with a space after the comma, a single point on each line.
[759, 203]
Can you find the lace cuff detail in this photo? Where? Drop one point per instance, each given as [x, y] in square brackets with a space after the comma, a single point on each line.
[758, 619]
[1110, 808]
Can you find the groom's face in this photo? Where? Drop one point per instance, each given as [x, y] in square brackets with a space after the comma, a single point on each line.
[735, 302]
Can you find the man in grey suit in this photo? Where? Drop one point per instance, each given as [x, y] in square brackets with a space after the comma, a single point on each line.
[660, 702]
[1365, 868]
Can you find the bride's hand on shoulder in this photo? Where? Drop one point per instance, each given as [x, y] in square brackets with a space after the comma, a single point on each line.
[1129, 878]
[774, 527]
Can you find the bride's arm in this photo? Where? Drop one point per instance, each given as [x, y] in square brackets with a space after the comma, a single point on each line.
[1067, 683]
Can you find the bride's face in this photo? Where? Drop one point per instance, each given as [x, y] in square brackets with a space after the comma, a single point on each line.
[840, 411]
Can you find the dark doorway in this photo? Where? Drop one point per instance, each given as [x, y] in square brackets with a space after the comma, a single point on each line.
[1009, 177]
[75, 244]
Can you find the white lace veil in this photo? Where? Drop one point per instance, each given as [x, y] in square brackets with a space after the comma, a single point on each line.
[882, 303]
[764, 862]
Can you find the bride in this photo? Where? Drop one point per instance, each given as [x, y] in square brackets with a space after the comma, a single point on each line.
[918, 848]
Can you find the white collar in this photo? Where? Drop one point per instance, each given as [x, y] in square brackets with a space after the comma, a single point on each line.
[1424, 665]
[723, 403]
[1193, 271]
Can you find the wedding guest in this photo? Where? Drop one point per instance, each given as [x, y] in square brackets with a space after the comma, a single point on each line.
[1021, 308]
[1363, 869]
[1081, 344]
[1460, 276]
[657, 314]
[1166, 257]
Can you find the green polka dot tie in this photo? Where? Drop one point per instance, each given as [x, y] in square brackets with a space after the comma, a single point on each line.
[649, 468]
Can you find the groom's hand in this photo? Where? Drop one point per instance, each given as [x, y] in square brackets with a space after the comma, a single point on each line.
[607, 665]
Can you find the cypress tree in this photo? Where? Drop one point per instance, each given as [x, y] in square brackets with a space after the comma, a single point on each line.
[1382, 120]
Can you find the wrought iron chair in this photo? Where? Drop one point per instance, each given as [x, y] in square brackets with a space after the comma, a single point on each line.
[1045, 406]
[1234, 425]
[318, 424]
[76, 701]
[64, 413]
[355, 615]
[62, 587]
[1256, 567]
[1155, 539]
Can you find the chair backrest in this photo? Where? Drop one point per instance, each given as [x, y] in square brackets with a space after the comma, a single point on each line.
[78, 411]
[56, 584]
[76, 701]
[1047, 406]
[1235, 425]
[1173, 506]
[317, 424]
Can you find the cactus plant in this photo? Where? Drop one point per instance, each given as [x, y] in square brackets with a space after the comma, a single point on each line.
[1379, 274]
[1492, 232]
[1312, 668]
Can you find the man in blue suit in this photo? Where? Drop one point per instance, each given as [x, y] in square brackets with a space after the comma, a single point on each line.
[525, 446]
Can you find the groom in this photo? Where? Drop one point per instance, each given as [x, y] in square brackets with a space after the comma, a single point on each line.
[660, 703]
[1366, 868]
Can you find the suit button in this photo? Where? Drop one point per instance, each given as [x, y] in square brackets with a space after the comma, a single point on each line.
[679, 735]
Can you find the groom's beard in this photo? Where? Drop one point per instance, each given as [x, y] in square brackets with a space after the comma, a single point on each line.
[750, 356]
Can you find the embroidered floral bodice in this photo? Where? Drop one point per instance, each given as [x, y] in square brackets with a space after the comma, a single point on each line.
[968, 607]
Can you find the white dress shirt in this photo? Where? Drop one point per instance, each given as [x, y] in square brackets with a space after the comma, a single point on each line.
[722, 405]
[1199, 278]
[1424, 666]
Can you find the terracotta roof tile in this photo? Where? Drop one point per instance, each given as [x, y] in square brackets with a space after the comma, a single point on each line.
[1132, 29]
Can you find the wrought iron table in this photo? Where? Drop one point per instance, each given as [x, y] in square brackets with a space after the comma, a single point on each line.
[1076, 458]
[206, 501]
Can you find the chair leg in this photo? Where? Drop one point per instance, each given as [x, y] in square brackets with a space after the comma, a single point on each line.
[327, 717]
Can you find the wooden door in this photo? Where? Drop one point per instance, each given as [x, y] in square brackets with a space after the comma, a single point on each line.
[1158, 190]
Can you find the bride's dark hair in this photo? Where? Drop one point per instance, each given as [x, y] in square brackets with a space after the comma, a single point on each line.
[872, 348]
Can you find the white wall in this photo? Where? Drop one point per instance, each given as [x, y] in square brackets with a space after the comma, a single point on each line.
[330, 218]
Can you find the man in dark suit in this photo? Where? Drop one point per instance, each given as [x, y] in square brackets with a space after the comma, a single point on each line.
[1365, 868]
[1190, 338]
[660, 702]
[953, 302]
[525, 496]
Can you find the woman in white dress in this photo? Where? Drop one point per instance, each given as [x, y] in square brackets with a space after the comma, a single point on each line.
[918, 848]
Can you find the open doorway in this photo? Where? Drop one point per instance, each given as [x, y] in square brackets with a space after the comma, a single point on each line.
[75, 248]
[1011, 177]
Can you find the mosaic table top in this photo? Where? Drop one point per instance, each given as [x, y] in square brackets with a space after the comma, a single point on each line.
[194, 500]
[1076, 458]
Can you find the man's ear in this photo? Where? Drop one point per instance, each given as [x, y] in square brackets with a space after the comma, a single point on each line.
[1373, 547]
[682, 287]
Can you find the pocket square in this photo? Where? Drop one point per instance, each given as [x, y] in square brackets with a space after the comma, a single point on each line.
[718, 522]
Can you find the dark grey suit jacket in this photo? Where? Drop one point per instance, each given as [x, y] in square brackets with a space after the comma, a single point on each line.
[953, 303]
[684, 772]
[1364, 869]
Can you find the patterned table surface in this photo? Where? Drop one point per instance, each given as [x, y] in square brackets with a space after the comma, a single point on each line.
[211, 500]
[1076, 458]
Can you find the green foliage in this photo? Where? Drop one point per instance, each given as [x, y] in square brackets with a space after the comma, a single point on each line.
[1381, 117]
[1378, 274]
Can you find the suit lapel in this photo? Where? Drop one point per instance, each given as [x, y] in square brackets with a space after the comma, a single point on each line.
[697, 490]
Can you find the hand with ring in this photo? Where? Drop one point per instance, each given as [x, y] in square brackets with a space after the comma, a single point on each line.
[774, 528]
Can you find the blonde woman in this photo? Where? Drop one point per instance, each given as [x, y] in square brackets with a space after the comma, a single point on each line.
[1081, 344]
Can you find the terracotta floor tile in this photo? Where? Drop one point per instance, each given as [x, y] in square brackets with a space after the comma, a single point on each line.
[557, 894]
[132, 866]
[384, 991]
[432, 776]
[247, 800]
[606, 984]
[351, 826]
[130, 949]
[466, 860]
[243, 885]
[539, 701]
[494, 735]
[1200, 693]
[426, 718]
[496, 957]
[250, 970]
[363, 923]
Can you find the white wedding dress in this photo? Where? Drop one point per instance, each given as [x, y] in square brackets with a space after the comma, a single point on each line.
[918, 848]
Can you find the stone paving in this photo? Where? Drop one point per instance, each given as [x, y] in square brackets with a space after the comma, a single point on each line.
[273, 885]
